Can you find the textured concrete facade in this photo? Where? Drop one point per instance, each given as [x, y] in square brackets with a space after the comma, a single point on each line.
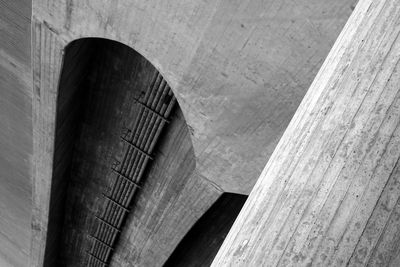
[15, 132]
[236, 84]
[238, 68]
[329, 195]
[117, 77]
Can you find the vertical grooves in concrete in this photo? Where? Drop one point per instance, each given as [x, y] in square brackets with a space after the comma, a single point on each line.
[329, 192]
[156, 106]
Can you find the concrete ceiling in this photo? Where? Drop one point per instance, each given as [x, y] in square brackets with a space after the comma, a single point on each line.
[238, 68]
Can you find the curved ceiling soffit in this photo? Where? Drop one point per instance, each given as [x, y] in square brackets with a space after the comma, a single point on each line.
[171, 78]
[228, 143]
[148, 56]
[43, 181]
[49, 41]
[238, 80]
[182, 104]
[170, 51]
[193, 116]
[94, 27]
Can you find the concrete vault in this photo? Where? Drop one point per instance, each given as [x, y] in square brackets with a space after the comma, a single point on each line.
[123, 164]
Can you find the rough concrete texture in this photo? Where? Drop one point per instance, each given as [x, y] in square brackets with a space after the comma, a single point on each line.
[239, 70]
[15, 132]
[172, 196]
[329, 195]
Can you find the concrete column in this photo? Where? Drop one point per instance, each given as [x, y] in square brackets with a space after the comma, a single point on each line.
[329, 194]
[47, 54]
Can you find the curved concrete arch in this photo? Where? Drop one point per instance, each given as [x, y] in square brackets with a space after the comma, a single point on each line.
[89, 23]
[238, 69]
[212, 49]
[158, 67]
[53, 194]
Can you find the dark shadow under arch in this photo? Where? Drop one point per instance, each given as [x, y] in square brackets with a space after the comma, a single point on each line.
[113, 108]
[201, 244]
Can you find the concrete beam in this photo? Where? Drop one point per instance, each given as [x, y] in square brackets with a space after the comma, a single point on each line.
[329, 195]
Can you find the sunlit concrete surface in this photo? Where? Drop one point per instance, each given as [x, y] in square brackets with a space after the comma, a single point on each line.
[329, 195]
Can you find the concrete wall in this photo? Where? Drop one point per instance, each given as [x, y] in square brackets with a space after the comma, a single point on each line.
[239, 70]
[330, 194]
[15, 132]
[173, 196]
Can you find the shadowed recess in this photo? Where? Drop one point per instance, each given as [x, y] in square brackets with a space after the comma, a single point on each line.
[203, 241]
[114, 109]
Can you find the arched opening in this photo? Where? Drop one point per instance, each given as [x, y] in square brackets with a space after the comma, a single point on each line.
[119, 134]
[201, 244]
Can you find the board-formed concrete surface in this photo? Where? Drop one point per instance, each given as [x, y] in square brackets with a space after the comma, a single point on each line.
[239, 70]
[15, 132]
[330, 193]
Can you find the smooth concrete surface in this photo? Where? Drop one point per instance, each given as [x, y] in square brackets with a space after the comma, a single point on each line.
[330, 193]
[15, 132]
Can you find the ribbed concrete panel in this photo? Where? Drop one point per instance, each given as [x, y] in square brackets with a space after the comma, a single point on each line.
[329, 195]
[46, 73]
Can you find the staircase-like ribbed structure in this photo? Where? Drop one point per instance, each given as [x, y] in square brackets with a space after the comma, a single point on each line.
[140, 142]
